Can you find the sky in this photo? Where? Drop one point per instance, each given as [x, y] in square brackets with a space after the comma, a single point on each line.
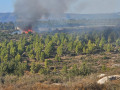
[6, 6]
[79, 6]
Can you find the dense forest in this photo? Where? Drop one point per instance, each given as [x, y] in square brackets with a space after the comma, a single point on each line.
[30, 51]
[60, 57]
[7, 26]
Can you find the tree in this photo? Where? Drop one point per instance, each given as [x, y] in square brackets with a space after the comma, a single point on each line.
[57, 58]
[74, 71]
[37, 56]
[60, 50]
[46, 64]
[47, 39]
[11, 43]
[43, 71]
[20, 68]
[64, 70]
[20, 48]
[54, 69]
[6, 58]
[102, 42]
[3, 68]
[42, 57]
[97, 41]
[32, 69]
[118, 42]
[18, 57]
[31, 54]
[109, 39]
[108, 47]
[3, 54]
[55, 38]
[91, 46]
[35, 67]
[13, 51]
[84, 50]
[78, 48]
[70, 46]
[49, 49]
[58, 42]
[84, 70]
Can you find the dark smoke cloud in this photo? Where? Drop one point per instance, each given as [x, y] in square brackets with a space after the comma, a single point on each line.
[29, 11]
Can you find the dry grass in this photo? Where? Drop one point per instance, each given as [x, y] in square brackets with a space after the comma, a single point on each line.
[78, 83]
[58, 82]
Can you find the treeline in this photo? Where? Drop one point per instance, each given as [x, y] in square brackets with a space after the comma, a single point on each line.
[16, 55]
[7, 26]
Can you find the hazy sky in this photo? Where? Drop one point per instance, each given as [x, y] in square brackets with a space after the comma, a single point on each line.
[96, 6]
[80, 6]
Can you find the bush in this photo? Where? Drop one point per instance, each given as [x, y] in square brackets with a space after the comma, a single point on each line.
[57, 58]
[35, 67]
[84, 70]
[105, 57]
[43, 71]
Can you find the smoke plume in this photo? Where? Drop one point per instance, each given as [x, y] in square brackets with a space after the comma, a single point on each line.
[29, 11]
[95, 6]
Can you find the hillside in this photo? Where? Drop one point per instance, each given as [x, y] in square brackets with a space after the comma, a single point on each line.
[93, 16]
[7, 17]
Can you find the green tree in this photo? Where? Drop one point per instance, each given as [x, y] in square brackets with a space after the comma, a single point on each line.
[97, 41]
[49, 49]
[47, 39]
[70, 46]
[32, 69]
[35, 67]
[118, 42]
[46, 63]
[20, 68]
[64, 70]
[20, 48]
[57, 58]
[6, 58]
[43, 71]
[84, 70]
[18, 57]
[60, 50]
[108, 47]
[13, 51]
[74, 71]
[84, 50]
[37, 56]
[78, 48]
[42, 57]
[109, 39]
[102, 42]
[91, 46]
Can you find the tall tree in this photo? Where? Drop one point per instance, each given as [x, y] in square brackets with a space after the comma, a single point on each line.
[60, 50]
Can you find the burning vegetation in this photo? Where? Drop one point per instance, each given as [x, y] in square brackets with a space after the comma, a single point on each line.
[28, 29]
[30, 11]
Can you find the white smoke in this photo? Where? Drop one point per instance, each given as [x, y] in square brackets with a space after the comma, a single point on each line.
[95, 6]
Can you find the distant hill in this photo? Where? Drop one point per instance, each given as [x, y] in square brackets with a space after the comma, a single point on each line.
[93, 16]
[7, 17]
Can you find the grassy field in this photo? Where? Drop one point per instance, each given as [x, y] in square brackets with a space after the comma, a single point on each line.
[63, 82]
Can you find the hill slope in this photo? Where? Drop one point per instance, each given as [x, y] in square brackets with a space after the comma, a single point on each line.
[7, 17]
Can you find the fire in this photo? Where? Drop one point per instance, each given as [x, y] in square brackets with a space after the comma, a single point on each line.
[28, 29]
